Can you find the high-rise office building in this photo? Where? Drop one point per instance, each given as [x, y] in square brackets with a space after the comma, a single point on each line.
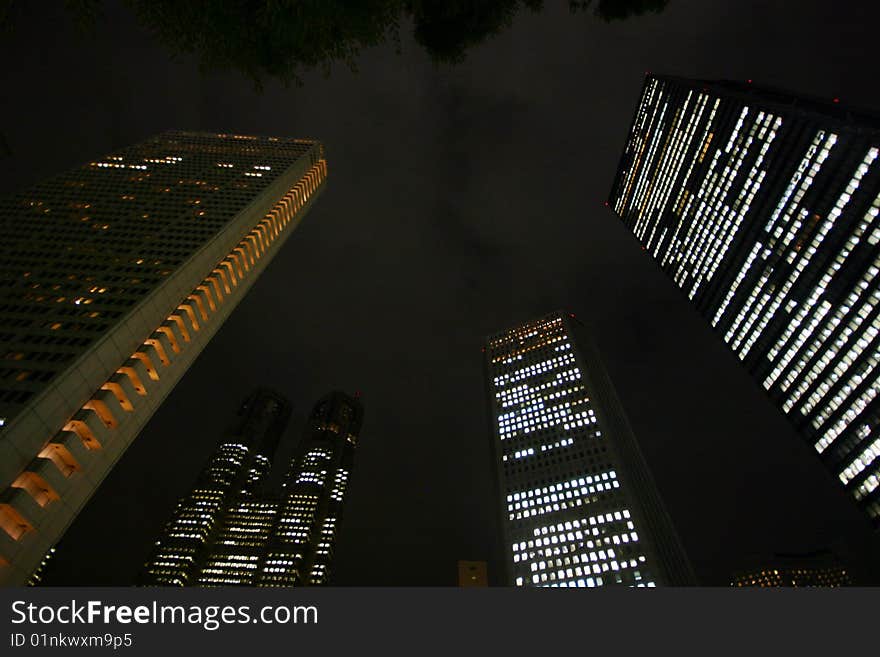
[302, 546]
[113, 277]
[762, 207]
[578, 504]
[814, 569]
[234, 530]
[217, 531]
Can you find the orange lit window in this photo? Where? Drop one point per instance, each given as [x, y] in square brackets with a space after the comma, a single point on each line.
[151, 371]
[13, 523]
[160, 350]
[120, 395]
[180, 324]
[192, 316]
[100, 409]
[37, 487]
[85, 434]
[61, 457]
[135, 380]
[198, 302]
[166, 330]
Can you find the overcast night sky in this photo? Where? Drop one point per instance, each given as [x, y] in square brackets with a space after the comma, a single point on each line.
[461, 201]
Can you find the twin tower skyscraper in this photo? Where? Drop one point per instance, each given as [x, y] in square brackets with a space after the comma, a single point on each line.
[232, 529]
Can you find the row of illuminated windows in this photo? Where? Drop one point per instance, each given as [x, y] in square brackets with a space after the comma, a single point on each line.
[560, 496]
[815, 347]
[856, 378]
[656, 121]
[636, 144]
[529, 371]
[175, 534]
[867, 487]
[684, 196]
[536, 404]
[801, 179]
[720, 240]
[526, 331]
[856, 408]
[565, 442]
[807, 254]
[560, 487]
[531, 392]
[658, 193]
[535, 419]
[858, 313]
[710, 209]
[599, 570]
[516, 355]
[559, 502]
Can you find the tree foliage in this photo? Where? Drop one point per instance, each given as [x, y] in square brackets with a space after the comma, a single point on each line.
[618, 10]
[270, 38]
[282, 38]
[448, 28]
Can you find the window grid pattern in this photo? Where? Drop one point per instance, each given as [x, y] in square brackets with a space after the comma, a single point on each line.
[80, 250]
[567, 520]
[86, 253]
[233, 531]
[774, 236]
[170, 338]
[216, 534]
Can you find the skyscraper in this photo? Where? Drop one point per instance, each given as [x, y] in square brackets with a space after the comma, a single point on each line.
[578, 504]
[217, 532]
[302, 546]
[762, 207]
[113, 278]
[235, 530]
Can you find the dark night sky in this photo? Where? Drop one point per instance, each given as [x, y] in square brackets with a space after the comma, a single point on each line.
[460, 201]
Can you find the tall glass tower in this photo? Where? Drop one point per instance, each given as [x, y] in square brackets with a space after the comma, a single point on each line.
[762, 206]
[232, 530]
[578, 505]
[113, 278]
[302, 546]
[216, 533]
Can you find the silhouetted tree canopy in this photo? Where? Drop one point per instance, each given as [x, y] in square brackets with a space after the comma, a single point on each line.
[447, 28]
[618, 10]
[281, 38]
[274, 38]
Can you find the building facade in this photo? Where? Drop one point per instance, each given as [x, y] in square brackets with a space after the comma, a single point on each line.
[314, 491]
[216, 533]
[113, 278]
[762, 207]
[578, 505]
[815, 569]
[234, 530]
